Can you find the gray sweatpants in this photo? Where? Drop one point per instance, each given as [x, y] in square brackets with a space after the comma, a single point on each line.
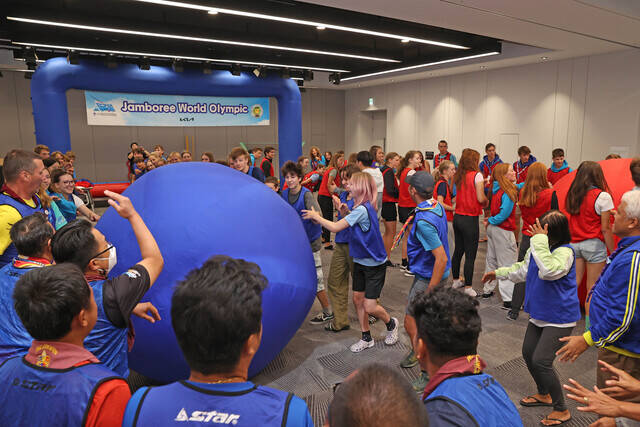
[501, 252]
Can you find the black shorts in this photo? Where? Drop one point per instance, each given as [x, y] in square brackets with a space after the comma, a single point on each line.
[404, 213]
[369, 280]
[389, 211]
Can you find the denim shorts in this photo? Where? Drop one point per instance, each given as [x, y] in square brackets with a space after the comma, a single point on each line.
[420, 286]
[591, 250]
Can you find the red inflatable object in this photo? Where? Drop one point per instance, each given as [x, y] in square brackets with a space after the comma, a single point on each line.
[117, 187]
[616, 172]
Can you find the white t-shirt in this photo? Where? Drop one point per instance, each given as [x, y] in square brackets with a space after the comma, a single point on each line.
[77, 201]
[604, 203]
[478, 178]
[377, 177]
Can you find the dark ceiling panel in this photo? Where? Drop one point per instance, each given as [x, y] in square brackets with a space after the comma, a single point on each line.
[147, 17]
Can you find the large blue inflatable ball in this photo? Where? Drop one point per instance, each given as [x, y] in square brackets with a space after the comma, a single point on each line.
[197, 210]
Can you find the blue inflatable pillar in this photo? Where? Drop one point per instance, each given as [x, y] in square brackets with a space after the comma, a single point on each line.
[54, 77]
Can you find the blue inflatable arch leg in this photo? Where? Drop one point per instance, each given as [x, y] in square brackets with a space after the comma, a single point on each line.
[54, 77]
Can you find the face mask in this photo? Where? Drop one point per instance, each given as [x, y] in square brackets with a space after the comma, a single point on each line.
[113, 260]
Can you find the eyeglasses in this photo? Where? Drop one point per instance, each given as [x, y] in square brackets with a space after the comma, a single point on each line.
[109, 246]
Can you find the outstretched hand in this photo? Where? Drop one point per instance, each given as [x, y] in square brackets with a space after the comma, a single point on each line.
[312, 214]
[489, 276]
[596, 401]
[147, 311]
[621, 385]
[574, 347]
[121, 204]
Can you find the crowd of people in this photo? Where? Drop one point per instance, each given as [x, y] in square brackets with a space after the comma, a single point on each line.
[65, 331]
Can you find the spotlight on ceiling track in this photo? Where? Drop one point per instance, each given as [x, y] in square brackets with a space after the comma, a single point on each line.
[307, 75]
[111, 61]
[404, 41]
[177, 65]
[206, 68]
[144, 64]
[213, 12]
[334, 78]
[236, 70]
[285, 73]
[73, 58]
[321, 27]
[260, 72]
[30, 58]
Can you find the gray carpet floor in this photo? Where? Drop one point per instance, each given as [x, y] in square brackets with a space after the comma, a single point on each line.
[314, 360]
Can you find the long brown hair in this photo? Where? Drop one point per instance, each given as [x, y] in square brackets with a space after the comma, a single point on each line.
[589, 175]
[334, 160]
[443, 166]
[536, 182]
[500, 176]
[469, 161]
[404, 162]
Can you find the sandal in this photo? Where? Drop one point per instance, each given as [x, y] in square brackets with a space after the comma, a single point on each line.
[332, 328]
[557, 420]
[536, 402]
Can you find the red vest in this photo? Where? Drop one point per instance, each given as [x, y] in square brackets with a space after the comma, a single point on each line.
[521, 172]
[311, 186]
[447, 198]
[405, 200]
[271, 171]
[586, 225]
[324, 189]
[508, 224]
[437, 159]
[530, 214]
[386, 198]
[554, 177]
[466, 199]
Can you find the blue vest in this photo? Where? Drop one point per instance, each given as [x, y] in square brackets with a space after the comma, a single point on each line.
[24, 210]
[175, 403]
[312, 229]
[368, 244]
[106, 341]
[36, 396]
[420, 261]
[482, 396]
[553, 301]
[344, 235]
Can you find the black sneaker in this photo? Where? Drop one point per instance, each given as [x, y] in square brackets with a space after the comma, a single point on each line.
[506, 305]
[512, 315]
[321, 318]
[487, 295]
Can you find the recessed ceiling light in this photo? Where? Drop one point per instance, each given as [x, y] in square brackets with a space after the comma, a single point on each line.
[405, 40]
[544, 58]
[300, 22]
[321, 27]
[191, 58]
[413, 67]
[483, 67]
[198, 39]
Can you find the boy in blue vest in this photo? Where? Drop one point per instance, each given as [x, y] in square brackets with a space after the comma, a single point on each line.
[216, 313]
[31, 236]
[118, 297]
[302, 199]
[428, 252]
[58, 382]
[240, 161]
[23, 173]
[446, 344]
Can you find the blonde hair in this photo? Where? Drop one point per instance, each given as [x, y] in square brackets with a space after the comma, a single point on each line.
[363, 189]
[443, 166]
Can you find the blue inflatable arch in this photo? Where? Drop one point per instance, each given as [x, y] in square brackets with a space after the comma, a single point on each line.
[54, 77]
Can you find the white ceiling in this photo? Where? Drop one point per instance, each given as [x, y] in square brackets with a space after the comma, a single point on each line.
[559, 29]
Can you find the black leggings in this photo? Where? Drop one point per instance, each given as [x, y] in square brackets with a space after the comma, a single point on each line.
[326, 206]
[518, 289]
[539, 350]
[467, 232]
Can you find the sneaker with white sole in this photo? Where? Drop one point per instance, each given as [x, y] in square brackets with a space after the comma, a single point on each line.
[321, 318]
[469, 291]
[457, 284]
[361, 345]
[392, 335]
[407, 273]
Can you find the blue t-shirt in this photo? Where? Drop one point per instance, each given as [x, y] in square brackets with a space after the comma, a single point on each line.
[298, 415]
[360, 216]
[428, 235]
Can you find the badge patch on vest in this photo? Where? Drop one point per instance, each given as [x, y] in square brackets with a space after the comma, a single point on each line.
[44, 360]
[208, 417]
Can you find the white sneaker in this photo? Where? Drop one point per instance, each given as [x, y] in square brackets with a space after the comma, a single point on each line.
[392, 335]
[469, 291]
[407, 273]
[361, 345]
[457, 283]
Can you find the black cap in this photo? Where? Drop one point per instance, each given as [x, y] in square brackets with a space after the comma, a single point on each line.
[421, 181]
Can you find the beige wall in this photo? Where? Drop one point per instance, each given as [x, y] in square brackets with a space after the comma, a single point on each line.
[584, 105]
[101, 150]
